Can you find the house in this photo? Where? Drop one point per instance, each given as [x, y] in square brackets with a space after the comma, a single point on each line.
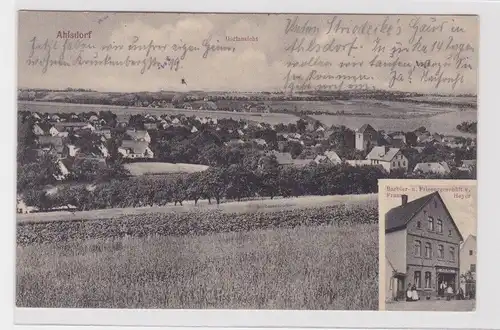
[468, 261]
[301, 162]
[70, 150]
[260, 142]
[362, 162]
[93, 119]
[150, 126]
[194, 129]
[38, 130]
[73, 126]
[419, 149]
[22, 208]
[234, 142]
[366, 137]
[53, 131]
[436, 168]
[136, 135]
[328, 157]
[425, 138]
[391, 159]
[105, 133]
[468, 164]
[283, 158]
[64, 172]
[422, 244]
[48, 143]
[135, 149]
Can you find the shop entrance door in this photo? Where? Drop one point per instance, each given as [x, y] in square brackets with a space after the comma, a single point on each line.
[447, 279]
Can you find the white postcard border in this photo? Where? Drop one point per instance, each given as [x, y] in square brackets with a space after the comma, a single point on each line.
[486, 315]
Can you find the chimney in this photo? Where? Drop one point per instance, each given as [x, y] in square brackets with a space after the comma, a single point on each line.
[404, 199]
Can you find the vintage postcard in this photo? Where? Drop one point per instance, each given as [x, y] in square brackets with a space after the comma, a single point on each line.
[231, 161]
[428, 244]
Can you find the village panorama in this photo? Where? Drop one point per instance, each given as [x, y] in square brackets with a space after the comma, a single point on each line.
[219, 199]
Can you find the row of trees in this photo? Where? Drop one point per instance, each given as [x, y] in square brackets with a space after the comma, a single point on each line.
[468, 127]
[216, 184]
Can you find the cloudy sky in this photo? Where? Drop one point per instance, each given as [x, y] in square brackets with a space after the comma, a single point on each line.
[254, 65]
[463, 211]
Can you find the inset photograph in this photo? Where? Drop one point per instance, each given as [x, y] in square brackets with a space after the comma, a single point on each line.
[428, 245]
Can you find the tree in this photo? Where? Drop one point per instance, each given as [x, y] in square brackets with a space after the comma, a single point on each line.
[295, 148]
[301, 125]
[194, 186]
[179, 190]
[39, 173]
[241, 182]
[215, 182]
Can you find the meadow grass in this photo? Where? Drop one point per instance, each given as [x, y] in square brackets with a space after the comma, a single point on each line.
[161, 168]
[318, 267]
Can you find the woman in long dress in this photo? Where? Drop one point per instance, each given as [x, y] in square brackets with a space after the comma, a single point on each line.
[408, 292]
[414, 293]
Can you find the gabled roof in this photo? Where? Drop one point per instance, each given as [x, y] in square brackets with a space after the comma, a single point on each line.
[332, 156]
[398, 218]
[283, 158]
[365, 127]
[382, 153]
[137, 135]
[468, 238]
[52, 140]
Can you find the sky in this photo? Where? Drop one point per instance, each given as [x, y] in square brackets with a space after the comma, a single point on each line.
[258, 65]
[463, 211]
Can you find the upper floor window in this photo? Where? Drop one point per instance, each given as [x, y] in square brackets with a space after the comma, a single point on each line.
[428, 250]
[439, 226]
[418, 248]
[431, 224]
[473, 268]
[449, 232]
[435, 204]
[419, 225]
[394, 164]
[440, 251]
[471, 252]
[452, 253]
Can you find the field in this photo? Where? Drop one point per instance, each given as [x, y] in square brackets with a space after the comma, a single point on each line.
[308, 257]
[188, 206]
[386, 115]
[357, 107]
[122, 112]
[443, 123]
[162, 168]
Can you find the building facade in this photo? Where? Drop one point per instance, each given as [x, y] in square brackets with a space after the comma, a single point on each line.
[468, 262]
[422, 245]
[366, 137]
[391, 159]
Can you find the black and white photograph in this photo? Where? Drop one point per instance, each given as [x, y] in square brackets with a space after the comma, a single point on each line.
[430, 246]
[232, 161]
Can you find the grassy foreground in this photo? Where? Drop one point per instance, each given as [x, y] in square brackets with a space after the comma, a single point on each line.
[307, 267]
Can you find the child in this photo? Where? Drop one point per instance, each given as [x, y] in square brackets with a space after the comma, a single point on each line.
[449, 292]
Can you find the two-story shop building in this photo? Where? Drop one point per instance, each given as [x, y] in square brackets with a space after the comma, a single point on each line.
[422, 247]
